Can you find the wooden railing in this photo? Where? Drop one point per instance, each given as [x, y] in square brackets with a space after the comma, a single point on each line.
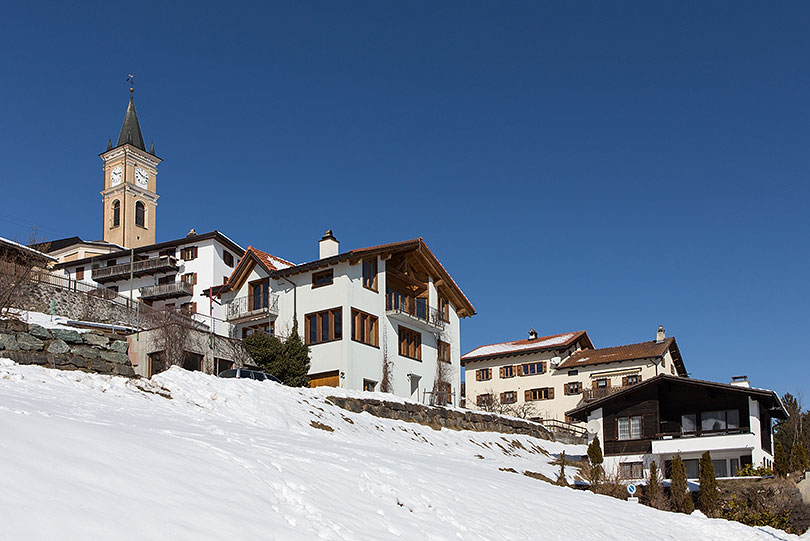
[138, 268]
[165, 291]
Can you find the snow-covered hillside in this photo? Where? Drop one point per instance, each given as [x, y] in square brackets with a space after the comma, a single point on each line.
[84, 456]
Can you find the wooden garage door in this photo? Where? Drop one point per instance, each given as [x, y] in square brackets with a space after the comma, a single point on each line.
[325, 379]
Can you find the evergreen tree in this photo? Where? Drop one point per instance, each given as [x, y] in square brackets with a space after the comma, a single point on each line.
[798, 457]
[681, 498]
[287, 360]
[561, 480]
[708, 496]
[595, 457]
[781, 460]
[656, 497]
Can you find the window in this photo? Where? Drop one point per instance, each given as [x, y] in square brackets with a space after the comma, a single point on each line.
[444, 393]
[483, 374]
[545, 393]
[444, 308]
[531, 369]
[258, 294]
[601, 383]
[364, 328]
[80, 273]
[630, 428]
[410, 343]
[140, 214]
[369, 385]
[266, 328]
[370, 274]
[443, 351]
[483, 400]
[188, 308]
[508, 397]
[720, 469]
[631, 470]
[507, 372]
[573, 387]
[692, 468]
[223, 364]
[187, 254]
[324, 326]
[711, 421]
[324, 278]
[227, 258]
[116, 213]
[631, 380]
[111, 262]
[163, 280]
[688, 423]
[573, 372]
[167, 252]
[190, 278]
[114, 289]
[192, 361]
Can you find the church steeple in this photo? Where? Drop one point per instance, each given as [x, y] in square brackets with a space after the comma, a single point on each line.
[131, 129]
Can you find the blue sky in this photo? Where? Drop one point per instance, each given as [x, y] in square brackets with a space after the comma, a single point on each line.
[605, 166]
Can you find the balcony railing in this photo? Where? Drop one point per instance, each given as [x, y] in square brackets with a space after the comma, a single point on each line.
[243, 308]
[139, 268]
[166, 291]
[589, 395]
[408, 307]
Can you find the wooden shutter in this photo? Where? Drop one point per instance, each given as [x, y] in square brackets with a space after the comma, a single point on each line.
[194, 279]
[527, 395]
[193, 307]
[625, 381]
[607, 382]
[595, 382]
[551, 393]
[501, 374]
[478, 375]
[519, 370]
[503, 396]
[543, 368]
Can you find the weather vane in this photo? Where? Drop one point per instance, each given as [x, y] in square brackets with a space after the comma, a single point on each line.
[131, 81]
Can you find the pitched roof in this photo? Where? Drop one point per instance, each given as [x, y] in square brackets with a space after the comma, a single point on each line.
[457, 296]
[522, 347]
[21, 248]
[269, 262]
[131, 128]
[581, 411]
[644, 350]
[58, 244]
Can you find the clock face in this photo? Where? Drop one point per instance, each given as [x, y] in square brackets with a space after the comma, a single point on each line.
[115, 175]
[141, 177]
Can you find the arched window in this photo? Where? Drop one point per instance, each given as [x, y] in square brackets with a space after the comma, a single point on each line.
[140, 214]
[116, 217]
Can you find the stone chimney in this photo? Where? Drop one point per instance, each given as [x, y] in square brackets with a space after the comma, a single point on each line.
[740, 381]
[660, 336]
[328, 245]
[532, 334]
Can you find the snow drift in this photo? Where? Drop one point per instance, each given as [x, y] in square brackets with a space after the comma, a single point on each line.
[85, 456]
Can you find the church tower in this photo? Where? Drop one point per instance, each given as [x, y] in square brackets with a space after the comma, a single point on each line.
[130, 185]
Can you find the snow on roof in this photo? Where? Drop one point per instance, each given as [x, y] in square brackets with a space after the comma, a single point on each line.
[522, 345]
[10, 242]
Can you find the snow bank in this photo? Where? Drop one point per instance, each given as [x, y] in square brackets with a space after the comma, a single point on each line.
[85, 456]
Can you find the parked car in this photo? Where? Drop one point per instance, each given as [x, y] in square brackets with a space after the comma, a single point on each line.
[248, 373]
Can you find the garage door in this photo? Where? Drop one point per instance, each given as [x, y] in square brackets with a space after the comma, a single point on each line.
[325, 379]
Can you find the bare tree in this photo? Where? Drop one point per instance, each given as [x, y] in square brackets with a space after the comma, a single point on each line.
[494, 404]
[442, 387]
[386, 382]
[174, 335]
[18, 265]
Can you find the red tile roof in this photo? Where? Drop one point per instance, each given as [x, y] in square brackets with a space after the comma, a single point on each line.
[644, 350]
[271, 262]
[521, 347]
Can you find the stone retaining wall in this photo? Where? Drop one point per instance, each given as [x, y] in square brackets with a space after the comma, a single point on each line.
[94, 351]
[438, 418]
[79, 305]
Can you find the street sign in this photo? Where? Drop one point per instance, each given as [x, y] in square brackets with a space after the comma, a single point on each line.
[631, 489]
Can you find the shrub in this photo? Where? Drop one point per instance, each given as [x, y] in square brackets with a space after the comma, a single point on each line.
[781, 461]
[750, 471]
[287, 360]
[740, 511]
[595, 458]
[681, 498]
[654, 494]
[798, 457]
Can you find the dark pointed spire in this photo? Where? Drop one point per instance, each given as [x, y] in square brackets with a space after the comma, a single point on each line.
[152, 148]
[109, 144]
[131, 129]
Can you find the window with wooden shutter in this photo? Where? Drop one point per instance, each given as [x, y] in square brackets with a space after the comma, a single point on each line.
[532, 369]
[507, 372]
[370, 273]
[483, 400]
[483, 374]
[324, 326]
[80, 273]
[189, 253]
[410, 343]
[508, 397]
[364, 328]
[443, 351]
[527, 395]
[573, 387]
[544, 393]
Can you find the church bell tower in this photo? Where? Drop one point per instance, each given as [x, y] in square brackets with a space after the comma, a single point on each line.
[130, 185]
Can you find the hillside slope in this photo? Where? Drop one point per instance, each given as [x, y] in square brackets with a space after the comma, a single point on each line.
[84, 456]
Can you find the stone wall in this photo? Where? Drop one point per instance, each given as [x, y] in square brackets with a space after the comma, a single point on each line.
[95, 351]
[438, 418]
[74, 304]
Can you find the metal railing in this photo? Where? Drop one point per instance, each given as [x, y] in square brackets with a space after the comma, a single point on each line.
[243, 307]
[416, 310]
[165, 291]
[557, 425]
[139, 268]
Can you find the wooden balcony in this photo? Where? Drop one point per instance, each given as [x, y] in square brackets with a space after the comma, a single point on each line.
[139, 268]
[166, 291]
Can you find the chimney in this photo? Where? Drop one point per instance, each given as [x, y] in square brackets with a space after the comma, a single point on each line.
[532, 334]
[740, 381]
[660, 336]
[328, 245]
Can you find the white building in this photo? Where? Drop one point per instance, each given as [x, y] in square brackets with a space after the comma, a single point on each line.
[355, 310]
[543, 377]
[667, 416]
[170, 274]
